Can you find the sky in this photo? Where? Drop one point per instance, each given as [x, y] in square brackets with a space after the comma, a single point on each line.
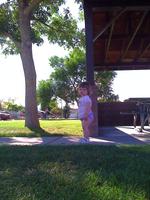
[12, 85]
[127, 84]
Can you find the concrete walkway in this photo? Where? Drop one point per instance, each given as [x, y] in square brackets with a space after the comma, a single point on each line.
[108, 136]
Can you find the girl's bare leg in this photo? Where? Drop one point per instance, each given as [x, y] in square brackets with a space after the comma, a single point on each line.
[85, 126]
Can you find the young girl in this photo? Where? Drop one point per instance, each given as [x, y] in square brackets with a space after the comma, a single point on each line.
[85, 113]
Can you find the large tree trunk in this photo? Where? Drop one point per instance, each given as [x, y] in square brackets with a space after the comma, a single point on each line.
[31, 113]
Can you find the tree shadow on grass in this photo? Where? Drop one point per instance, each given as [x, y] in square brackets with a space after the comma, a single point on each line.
[40, 132]
[84, 172]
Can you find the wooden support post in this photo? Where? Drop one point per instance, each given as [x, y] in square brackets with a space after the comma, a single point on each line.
[94, 129]
[90, 64]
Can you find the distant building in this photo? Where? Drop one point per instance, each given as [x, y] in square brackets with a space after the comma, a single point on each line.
[142, 99]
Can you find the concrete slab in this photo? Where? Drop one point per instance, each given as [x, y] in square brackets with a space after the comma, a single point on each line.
[66, 140]
[143, 136]
[108, 136]
[27, 140]
[125, 135]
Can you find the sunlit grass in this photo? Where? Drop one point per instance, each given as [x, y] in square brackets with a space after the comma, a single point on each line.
[75, 172]
[50, 127]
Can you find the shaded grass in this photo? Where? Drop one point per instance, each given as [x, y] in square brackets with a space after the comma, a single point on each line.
[75, 173]
[49, 128]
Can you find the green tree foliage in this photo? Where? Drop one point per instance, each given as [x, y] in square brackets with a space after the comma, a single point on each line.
[71, 70]
[54, 109]
[25, 22]
[104, 81]
[45, 93]
[10, 105]
[68, 73]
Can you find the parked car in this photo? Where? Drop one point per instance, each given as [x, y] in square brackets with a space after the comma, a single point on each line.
[4, 115]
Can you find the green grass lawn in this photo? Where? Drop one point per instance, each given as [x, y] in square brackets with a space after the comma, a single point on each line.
[50, 127]
[81, 172]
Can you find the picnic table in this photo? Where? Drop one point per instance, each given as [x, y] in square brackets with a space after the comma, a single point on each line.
[143, 111]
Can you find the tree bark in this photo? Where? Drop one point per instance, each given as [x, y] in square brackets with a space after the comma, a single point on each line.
[31, 113]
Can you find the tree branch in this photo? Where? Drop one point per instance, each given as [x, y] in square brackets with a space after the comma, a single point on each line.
[45, 24]
[38, 20]
[31, 7]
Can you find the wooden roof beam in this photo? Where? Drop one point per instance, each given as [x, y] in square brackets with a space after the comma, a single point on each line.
[142, 53]
[122, 66]
[109, 40]
[117, 8]
[139, 51]
[115, 3]
[134, 34]
[109, 24]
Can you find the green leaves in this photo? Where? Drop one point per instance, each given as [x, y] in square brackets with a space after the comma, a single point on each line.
[45, 19]
[104, 82]
[62, 31]
[68, 73]
[71, 70]
[45, 93]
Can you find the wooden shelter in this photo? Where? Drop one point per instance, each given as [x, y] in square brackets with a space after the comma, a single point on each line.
[117, 35]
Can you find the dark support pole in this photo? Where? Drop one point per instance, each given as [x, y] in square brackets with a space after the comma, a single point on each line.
[90, 64]
[89, 42]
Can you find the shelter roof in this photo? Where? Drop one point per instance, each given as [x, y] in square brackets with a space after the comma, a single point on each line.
[121, 34]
